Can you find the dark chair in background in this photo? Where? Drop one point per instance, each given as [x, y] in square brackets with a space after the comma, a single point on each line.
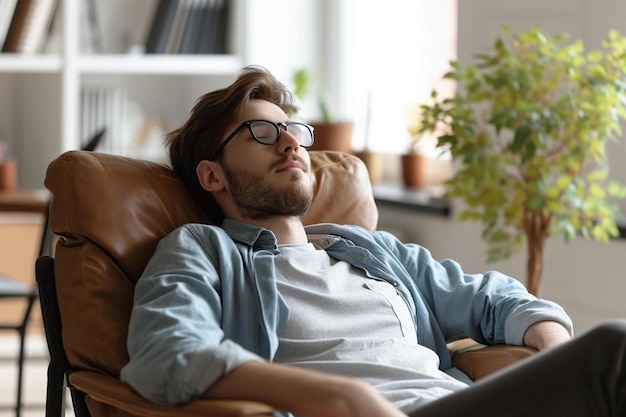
[11, 289]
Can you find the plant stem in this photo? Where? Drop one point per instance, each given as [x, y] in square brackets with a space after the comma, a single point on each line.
[537, 227]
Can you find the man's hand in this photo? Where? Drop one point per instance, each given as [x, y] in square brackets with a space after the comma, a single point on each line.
[302, 391]
[546, 334]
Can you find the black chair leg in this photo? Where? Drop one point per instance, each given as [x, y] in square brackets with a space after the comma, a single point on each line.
[22, 356]
[20, 373]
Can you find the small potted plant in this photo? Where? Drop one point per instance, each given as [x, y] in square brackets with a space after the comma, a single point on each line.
[330, 133]
[424, 163]
[413, 162]
[527, 129]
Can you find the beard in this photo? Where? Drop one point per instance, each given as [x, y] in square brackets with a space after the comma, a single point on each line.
[259, 200]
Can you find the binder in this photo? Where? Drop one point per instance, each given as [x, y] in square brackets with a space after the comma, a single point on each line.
[161, 27]
[190, 38]
[29, 26]
[7, 9]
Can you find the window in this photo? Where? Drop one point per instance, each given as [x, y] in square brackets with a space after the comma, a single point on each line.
[394, 54]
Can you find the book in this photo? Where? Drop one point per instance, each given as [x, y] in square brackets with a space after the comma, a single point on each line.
[176, 34]
[7, 9]
[29, 26]
[161, 28]
[91, 41]
[16, 26]
[104, 107]
[207, 34]
[213, 34]
[54, 39]
[223, 26]
[190, 37]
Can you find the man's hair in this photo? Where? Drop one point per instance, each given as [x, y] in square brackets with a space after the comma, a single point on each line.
[209, 119]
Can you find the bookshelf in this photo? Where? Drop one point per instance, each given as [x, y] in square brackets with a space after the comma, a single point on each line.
[41, 112]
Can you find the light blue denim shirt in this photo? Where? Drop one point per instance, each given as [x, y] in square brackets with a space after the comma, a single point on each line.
[207, 302]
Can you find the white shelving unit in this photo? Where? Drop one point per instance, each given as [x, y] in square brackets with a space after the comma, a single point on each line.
[40, 94]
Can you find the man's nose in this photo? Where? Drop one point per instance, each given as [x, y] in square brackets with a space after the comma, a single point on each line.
[287, 142]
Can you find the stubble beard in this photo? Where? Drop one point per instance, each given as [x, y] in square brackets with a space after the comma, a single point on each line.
[258, 200]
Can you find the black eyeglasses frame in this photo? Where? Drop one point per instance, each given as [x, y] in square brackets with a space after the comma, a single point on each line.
[248, 124]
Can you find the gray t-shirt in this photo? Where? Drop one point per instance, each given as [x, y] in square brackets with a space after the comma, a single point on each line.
[343, 322]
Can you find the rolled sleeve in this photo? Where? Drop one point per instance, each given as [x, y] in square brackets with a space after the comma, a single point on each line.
[188, 376]
[534, 311]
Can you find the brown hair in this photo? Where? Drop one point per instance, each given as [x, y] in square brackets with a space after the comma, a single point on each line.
[205, 129]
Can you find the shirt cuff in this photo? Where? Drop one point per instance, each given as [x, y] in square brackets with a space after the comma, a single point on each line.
[530, 313]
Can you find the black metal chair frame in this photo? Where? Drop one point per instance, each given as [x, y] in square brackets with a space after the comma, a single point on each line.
[59, 368]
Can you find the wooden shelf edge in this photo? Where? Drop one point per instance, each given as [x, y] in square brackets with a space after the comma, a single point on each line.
[29, 63]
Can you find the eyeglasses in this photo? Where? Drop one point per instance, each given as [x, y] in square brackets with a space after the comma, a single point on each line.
[268, 133]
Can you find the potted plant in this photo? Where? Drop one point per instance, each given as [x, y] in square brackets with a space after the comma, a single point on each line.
[527, 129]
[424, 163]
[330, 133]
[413, 162]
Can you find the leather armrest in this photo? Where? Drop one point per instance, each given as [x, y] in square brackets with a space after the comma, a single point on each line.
[109, 390]
[475, 360]
[478, 361]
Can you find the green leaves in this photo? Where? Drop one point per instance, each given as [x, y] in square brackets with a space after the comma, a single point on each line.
[528, 129]
[302, 80]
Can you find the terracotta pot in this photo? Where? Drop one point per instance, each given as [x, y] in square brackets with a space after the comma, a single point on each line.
[421, 171]
[333, 136]
[8, 175]
[414, 169]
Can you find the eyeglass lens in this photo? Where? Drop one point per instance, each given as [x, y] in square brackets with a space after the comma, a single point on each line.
[268, 133]
[264, 132]
[304, 135]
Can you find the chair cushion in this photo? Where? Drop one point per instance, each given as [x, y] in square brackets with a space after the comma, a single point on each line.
[111, 211]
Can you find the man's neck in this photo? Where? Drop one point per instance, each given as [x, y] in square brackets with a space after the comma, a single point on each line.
[288, 230]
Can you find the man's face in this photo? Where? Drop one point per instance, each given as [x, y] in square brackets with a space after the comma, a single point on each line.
[267, 180]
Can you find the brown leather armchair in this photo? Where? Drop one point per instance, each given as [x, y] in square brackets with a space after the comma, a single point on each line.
[109, 213]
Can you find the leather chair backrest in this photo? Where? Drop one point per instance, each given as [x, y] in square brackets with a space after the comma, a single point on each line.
[111, 211]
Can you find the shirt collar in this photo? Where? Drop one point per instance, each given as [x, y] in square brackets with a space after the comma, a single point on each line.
[254, 236]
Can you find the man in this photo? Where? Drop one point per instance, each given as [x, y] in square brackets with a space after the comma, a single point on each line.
[326, 320]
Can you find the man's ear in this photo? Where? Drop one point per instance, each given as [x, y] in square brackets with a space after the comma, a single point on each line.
[210, 175]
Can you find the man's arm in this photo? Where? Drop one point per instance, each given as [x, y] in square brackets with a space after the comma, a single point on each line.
[546, 334]
[302, 391]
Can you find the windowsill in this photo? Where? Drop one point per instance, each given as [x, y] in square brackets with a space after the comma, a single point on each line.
[430, 200]
[427, 200]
